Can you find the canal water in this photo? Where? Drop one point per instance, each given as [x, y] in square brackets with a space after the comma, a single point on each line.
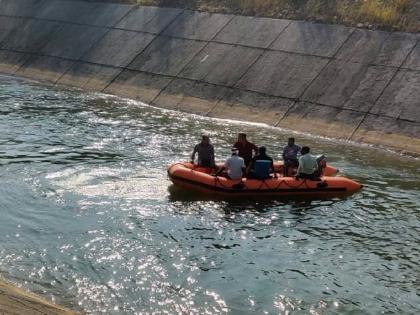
[89, 220]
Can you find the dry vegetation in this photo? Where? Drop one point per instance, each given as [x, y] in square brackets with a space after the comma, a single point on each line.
[403, 15]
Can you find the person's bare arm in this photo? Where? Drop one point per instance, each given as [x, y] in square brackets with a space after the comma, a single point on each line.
[299, 169]
[221, 169]
[212, 157]
[255, 148]
[193, 154]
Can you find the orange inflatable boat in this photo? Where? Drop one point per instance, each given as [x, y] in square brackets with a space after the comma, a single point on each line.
[190, 177]
[328, 170]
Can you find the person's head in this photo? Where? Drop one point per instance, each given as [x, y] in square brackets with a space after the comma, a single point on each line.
[290, 141]
[242, 137]
[262, 150]
[305, 150]
[205, 139]
[235, 151]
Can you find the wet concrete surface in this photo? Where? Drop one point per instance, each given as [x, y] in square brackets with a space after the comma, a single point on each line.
[306, 76]
[312, 38]
[108, 51]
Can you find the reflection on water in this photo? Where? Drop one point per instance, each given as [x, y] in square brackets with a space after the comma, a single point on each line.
[90, 219]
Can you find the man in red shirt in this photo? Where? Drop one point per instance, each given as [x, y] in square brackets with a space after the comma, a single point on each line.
[246, 149]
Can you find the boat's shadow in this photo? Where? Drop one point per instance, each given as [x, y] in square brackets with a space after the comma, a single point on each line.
[177, 194]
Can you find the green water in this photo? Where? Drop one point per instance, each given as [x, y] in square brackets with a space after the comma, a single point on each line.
[88, 221]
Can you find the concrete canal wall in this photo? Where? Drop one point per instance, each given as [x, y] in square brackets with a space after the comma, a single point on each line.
[328, 80]
[14, 301]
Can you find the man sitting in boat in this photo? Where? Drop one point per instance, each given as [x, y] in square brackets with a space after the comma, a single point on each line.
[308, 165]
[261, 165]
[290, 156]
[234, 165]
[246, 148]
[205, 152]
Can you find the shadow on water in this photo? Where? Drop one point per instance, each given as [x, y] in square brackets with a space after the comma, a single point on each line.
[296, 204]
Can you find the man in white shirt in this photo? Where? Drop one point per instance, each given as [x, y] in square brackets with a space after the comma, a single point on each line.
[308, 165]
[235, 165]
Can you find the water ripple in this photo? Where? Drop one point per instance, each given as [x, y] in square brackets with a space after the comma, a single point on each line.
[88, 219]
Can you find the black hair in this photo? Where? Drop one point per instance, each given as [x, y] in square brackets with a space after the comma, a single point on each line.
[305, 150]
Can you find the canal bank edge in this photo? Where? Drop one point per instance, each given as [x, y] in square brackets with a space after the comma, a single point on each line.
[328, 80]
[17, 301]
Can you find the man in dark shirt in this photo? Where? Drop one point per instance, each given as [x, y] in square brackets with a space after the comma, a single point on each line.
[290, 155]
[246, 148]
[205, 153]
[261, 156]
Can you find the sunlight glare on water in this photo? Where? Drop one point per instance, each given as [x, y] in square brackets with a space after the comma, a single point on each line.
[88, 219]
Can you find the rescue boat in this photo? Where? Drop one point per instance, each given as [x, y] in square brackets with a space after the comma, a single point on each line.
[328, 170]
[191, 177]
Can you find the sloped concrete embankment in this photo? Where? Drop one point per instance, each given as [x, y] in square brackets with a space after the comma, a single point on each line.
[15, 301]
[328, 80]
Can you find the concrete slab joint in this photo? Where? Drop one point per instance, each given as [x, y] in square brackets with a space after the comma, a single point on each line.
[166, 55]
[324, 79]
[252, 31]
[148, 19]
[118, 48]
[312, 38]
[219, 63]
[197, 25]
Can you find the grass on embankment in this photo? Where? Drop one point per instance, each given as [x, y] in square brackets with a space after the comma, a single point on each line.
[402, 15]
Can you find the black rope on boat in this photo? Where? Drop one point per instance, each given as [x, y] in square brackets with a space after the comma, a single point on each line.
[240, 181]
[291, 186]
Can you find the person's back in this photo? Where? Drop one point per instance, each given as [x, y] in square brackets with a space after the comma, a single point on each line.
[261, 169]
[260, 157]
[235, 166]
[308, 164]
[261, 165]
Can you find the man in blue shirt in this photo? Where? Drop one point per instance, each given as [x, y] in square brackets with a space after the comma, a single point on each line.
[290, 155]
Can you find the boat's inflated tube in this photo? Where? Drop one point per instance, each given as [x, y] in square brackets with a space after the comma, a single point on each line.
[190, 177]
